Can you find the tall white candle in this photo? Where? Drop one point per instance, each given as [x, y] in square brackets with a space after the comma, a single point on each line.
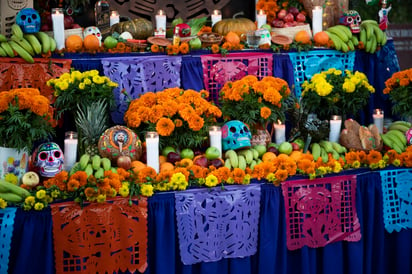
[58, 27]
[316, 19]
[280, 132]
[70, 149]
[335, 124]
[152, 150]
[216, 17]
[260, 19]
[215, 136]
[161, 21]
[378, 119]
[114, 17]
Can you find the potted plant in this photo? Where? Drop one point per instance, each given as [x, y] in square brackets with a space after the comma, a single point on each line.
[399, 88]
[26, 117]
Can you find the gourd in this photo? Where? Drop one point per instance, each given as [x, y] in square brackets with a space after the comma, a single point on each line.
[140, 28]
[236, 25]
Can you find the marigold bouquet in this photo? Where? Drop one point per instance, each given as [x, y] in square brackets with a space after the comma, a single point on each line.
[81, 87]
[26, 116]
[399, 88]
[334, 92]
[181, 117]
[254, 102]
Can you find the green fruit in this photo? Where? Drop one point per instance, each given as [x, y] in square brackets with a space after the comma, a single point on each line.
[261, 149]
[266, 26]
[167, 150]
[110, 42]
[285, 148]
[212, 153]
[187, 153]
[195, 43]
[177, 21]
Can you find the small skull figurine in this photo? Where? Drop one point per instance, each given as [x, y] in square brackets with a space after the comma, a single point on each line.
[29, 20]
[93, 31]
[352, 19]
[235, 135]
[49, 159]
[265, 37]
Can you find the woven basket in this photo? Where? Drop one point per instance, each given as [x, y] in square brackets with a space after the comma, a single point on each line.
[137, 46]
[291, 31]
[210, 38]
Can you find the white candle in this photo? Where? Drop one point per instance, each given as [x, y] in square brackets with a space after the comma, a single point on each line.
[280, 130]
[317, 19]
[70, 149]
[114, 17]
[260, 19]
[378, 119]
[152, 150]
[161, 21]
[216, 17]
[58, 27]
[215, 136]
[335, 124]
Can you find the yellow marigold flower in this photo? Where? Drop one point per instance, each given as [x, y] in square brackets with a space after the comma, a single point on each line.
[11, 178]
[82, 86]
[41, 194]
[30, 200]
[382, 163]
[312, 176]
[3, 203]
[38, 206]
[101, 198]
[146, 190]
[211, 180]
[124, 190]
[396, 162]
[271, 177]
[246, 179]
[55, 193]
[337, 167]
[87, 82]
[63, 85]
[356, 164]
[349, 86]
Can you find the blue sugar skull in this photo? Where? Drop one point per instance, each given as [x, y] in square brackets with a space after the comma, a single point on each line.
[235, 135]
[29, 20]
[49, 159]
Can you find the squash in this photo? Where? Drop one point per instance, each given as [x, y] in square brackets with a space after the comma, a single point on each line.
[236, 25]
[140, 28]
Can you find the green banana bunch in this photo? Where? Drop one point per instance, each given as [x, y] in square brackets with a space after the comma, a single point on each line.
[371, 35]
[93, 165]
[342, 38]
[324, 148]
[395, 137]
[12, 193]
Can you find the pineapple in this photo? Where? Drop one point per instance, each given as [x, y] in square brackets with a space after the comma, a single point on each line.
[91, 121]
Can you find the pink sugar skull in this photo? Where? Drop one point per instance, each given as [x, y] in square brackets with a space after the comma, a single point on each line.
[351, 19]
[49, 159]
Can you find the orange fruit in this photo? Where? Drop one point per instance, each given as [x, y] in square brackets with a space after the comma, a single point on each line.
[162, 159]
[232, 38]
[185, 163]
[269, 157]
[303, 37]
[91, 42]
[74, 43]
[321, 38]
[166, 166]
[136, 166]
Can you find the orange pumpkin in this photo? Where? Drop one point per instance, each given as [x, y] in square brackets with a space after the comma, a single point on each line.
[302, 37]
[321, 38]
[236, 25]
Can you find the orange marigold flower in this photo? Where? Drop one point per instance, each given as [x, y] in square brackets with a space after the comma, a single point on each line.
[184, 48]
[238, 175]
[165, 126]
[89, 192]
[215, 48]
[154, 48]
[374, 157]
[73, 185]
[80, 176]
[281, 175]
[265, 112]
[351, 157]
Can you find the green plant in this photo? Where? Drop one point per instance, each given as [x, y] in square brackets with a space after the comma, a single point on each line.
[25, 118]
[334, 92]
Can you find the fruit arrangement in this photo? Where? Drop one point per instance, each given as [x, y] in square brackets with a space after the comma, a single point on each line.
[323, 148]
[371, 35]
[242, 158]
[93, 165]
[11, 192]
[395, 137]
[342, 38]
[26, 45]
[289, 18]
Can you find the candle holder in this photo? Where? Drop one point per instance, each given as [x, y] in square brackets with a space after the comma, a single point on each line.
[58, 27]
[152, 150]
[335, 124]
[378, 119]
[215, 136]
[216, 17]
[70, 149]
[261, 19]
[280, 130]
[114, 17]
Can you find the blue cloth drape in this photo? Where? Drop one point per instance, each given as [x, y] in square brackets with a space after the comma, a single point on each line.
[378, 252]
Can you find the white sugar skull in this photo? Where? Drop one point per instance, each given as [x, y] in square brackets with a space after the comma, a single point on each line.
[93, 31]
[235, 135]
[49, 159]
[29, 20]
[265, 37]
[351, 19]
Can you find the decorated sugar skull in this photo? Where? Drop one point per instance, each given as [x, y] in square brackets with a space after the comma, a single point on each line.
[265, 37]
[351, 19]
[93, 31]
[49, 159]
[235, 135]
[29, 20]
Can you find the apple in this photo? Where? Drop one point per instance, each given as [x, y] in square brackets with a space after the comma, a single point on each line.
[295, 146]
[168, 149]
[173, 157]
[187, 153]
[294, 11]
[267, 27]
[216, 162]
[277, 23]
[261, 149]
[285, 148]
[289, 18]
[282, 13]
[274, 150]
[30, 178]
[124, 162]
[300, 142]
[195, 43]
[212, 153]
[300, 17]
[201, 160]
[273, 145]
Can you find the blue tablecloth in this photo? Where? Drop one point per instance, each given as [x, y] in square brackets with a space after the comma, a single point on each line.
[378, 252]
